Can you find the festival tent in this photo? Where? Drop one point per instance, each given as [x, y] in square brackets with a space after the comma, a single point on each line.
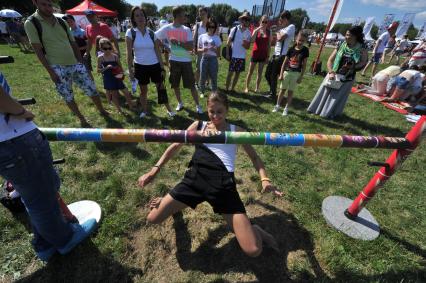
[332, 35]
[90, 5]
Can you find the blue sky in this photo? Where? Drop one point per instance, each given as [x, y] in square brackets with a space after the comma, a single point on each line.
[319, 10]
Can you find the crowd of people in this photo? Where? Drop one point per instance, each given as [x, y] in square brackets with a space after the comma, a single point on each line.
[65, 51]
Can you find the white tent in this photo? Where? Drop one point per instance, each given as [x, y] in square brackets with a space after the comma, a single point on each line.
[334, 36]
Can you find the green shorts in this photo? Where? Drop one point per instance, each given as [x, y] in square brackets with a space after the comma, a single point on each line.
[290, 80]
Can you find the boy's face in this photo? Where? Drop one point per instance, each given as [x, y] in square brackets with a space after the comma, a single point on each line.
[300, 40]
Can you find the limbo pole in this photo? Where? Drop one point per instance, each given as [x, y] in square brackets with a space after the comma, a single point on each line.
[349, 216]
[254, 138]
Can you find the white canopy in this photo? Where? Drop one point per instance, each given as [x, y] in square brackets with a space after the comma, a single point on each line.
[334, 35]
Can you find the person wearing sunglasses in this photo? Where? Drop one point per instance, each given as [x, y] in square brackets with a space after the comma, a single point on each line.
[239, 40]
[209, 46]
[261, 37]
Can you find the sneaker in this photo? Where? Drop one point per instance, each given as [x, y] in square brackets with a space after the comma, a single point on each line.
[199, 109]
[285, 112]
[46, 254]
[81, 232]
[276, 108]
[171, 113]
[179, 107]
[142, 115]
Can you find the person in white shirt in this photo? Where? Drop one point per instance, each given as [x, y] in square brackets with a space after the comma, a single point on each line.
[239, 38]
[199, 29]
[180, 42]
[3, 29]
[284, 37]
[144, 60]
[209, 46]
[379, 48]
[399, 49]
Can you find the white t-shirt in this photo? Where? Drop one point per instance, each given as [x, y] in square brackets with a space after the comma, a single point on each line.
[143, 47]
[384, 38]
[182, 34]
[115, 31]
[402, 45]
[238, 51]
[419, 56]
[207, 41]
[281, 47]
[201, 29]
[15, 127]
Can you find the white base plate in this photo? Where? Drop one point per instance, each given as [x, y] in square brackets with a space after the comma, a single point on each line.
[363, 227]
[85, 210]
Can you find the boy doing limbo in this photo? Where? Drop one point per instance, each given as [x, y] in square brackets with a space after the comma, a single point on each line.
[210, 177]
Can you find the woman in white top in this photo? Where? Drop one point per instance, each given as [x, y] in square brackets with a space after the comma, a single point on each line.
[144, 59]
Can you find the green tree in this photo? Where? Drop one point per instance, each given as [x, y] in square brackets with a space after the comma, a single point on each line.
[297, 16]
[150, 9]
[412, 32]
[165, 10]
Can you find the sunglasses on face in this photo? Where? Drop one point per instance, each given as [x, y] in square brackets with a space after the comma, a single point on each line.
[264, 22]
[211, 27]
[106, 48]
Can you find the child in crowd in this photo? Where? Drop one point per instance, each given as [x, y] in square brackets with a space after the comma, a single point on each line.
[292, 71]
[112, 72]
[210, 177]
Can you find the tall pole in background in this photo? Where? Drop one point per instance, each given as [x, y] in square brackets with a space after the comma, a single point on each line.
[327, 29]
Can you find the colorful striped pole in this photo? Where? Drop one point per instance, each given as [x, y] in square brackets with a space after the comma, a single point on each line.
[393, 163]
[254, 138]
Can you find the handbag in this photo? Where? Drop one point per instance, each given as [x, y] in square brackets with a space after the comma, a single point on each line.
[336, 83]
[224, 53]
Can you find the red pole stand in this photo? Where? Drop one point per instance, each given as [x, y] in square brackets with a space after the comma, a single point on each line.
[65, 210]
[394, 161]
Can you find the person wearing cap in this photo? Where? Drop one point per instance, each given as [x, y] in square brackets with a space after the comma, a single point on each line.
[180, 43]
[284, 36]
[95, 29]
[199, 29]
[379, 48]
[60, 56]
[239, 38]
[80, 39]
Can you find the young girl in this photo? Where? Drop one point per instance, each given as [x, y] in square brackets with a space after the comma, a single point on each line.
[210, 177]
[294, 65]
[209, 46]
[112, 72]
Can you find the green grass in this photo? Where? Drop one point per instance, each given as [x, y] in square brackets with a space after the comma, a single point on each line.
[195, 246]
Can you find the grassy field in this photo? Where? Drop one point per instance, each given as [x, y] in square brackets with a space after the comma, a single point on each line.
[196, 246]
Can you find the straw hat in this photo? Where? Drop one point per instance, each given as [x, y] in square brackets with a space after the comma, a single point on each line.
[245, 15]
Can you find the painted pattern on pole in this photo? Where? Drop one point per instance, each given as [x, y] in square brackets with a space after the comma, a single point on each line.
[254, 138]
[394, 161]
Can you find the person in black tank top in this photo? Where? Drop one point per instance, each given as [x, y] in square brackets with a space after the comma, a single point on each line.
[208, 179]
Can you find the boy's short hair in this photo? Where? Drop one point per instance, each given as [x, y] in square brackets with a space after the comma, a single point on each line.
[285, 15]
[177, 10]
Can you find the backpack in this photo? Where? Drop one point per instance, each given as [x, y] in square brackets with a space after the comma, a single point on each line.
[229, 47]
[39, 29]
[196, 36]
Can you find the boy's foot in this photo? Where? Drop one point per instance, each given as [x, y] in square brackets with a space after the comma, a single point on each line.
[285, 112]
[81, 232]
[179, 107]
[246, 90]
[276, 108]
[199, 109]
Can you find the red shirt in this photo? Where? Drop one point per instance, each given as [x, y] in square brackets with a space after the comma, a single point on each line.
[101, 29]
[260, 47]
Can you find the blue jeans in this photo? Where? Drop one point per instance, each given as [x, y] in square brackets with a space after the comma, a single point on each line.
[208, 69]
[26, 161]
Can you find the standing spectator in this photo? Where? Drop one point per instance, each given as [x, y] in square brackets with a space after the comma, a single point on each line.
[389, 47]
[209, 46]
[284, 37]
[3, 30]
[399, 49]
[115, 31]
[180, 42]
[199, 29]
[14, 31]
[144, 59]
[95, 29]
[342, 65]
[262, 38]
[81, 40]
[26, 161]
[239, 39]
[379, 48]
[59, 54]
[292, 71]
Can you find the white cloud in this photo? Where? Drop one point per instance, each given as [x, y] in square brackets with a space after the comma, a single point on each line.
[421, 16]
[321, 7]
[405, 5]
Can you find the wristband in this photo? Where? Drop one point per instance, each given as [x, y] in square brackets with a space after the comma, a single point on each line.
[265, 179]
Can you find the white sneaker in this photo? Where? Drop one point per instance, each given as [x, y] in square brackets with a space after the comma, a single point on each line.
[171, 113]
[179, 106]
[285, 112]
[142, 115]
[276, 108]
[199, 109]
